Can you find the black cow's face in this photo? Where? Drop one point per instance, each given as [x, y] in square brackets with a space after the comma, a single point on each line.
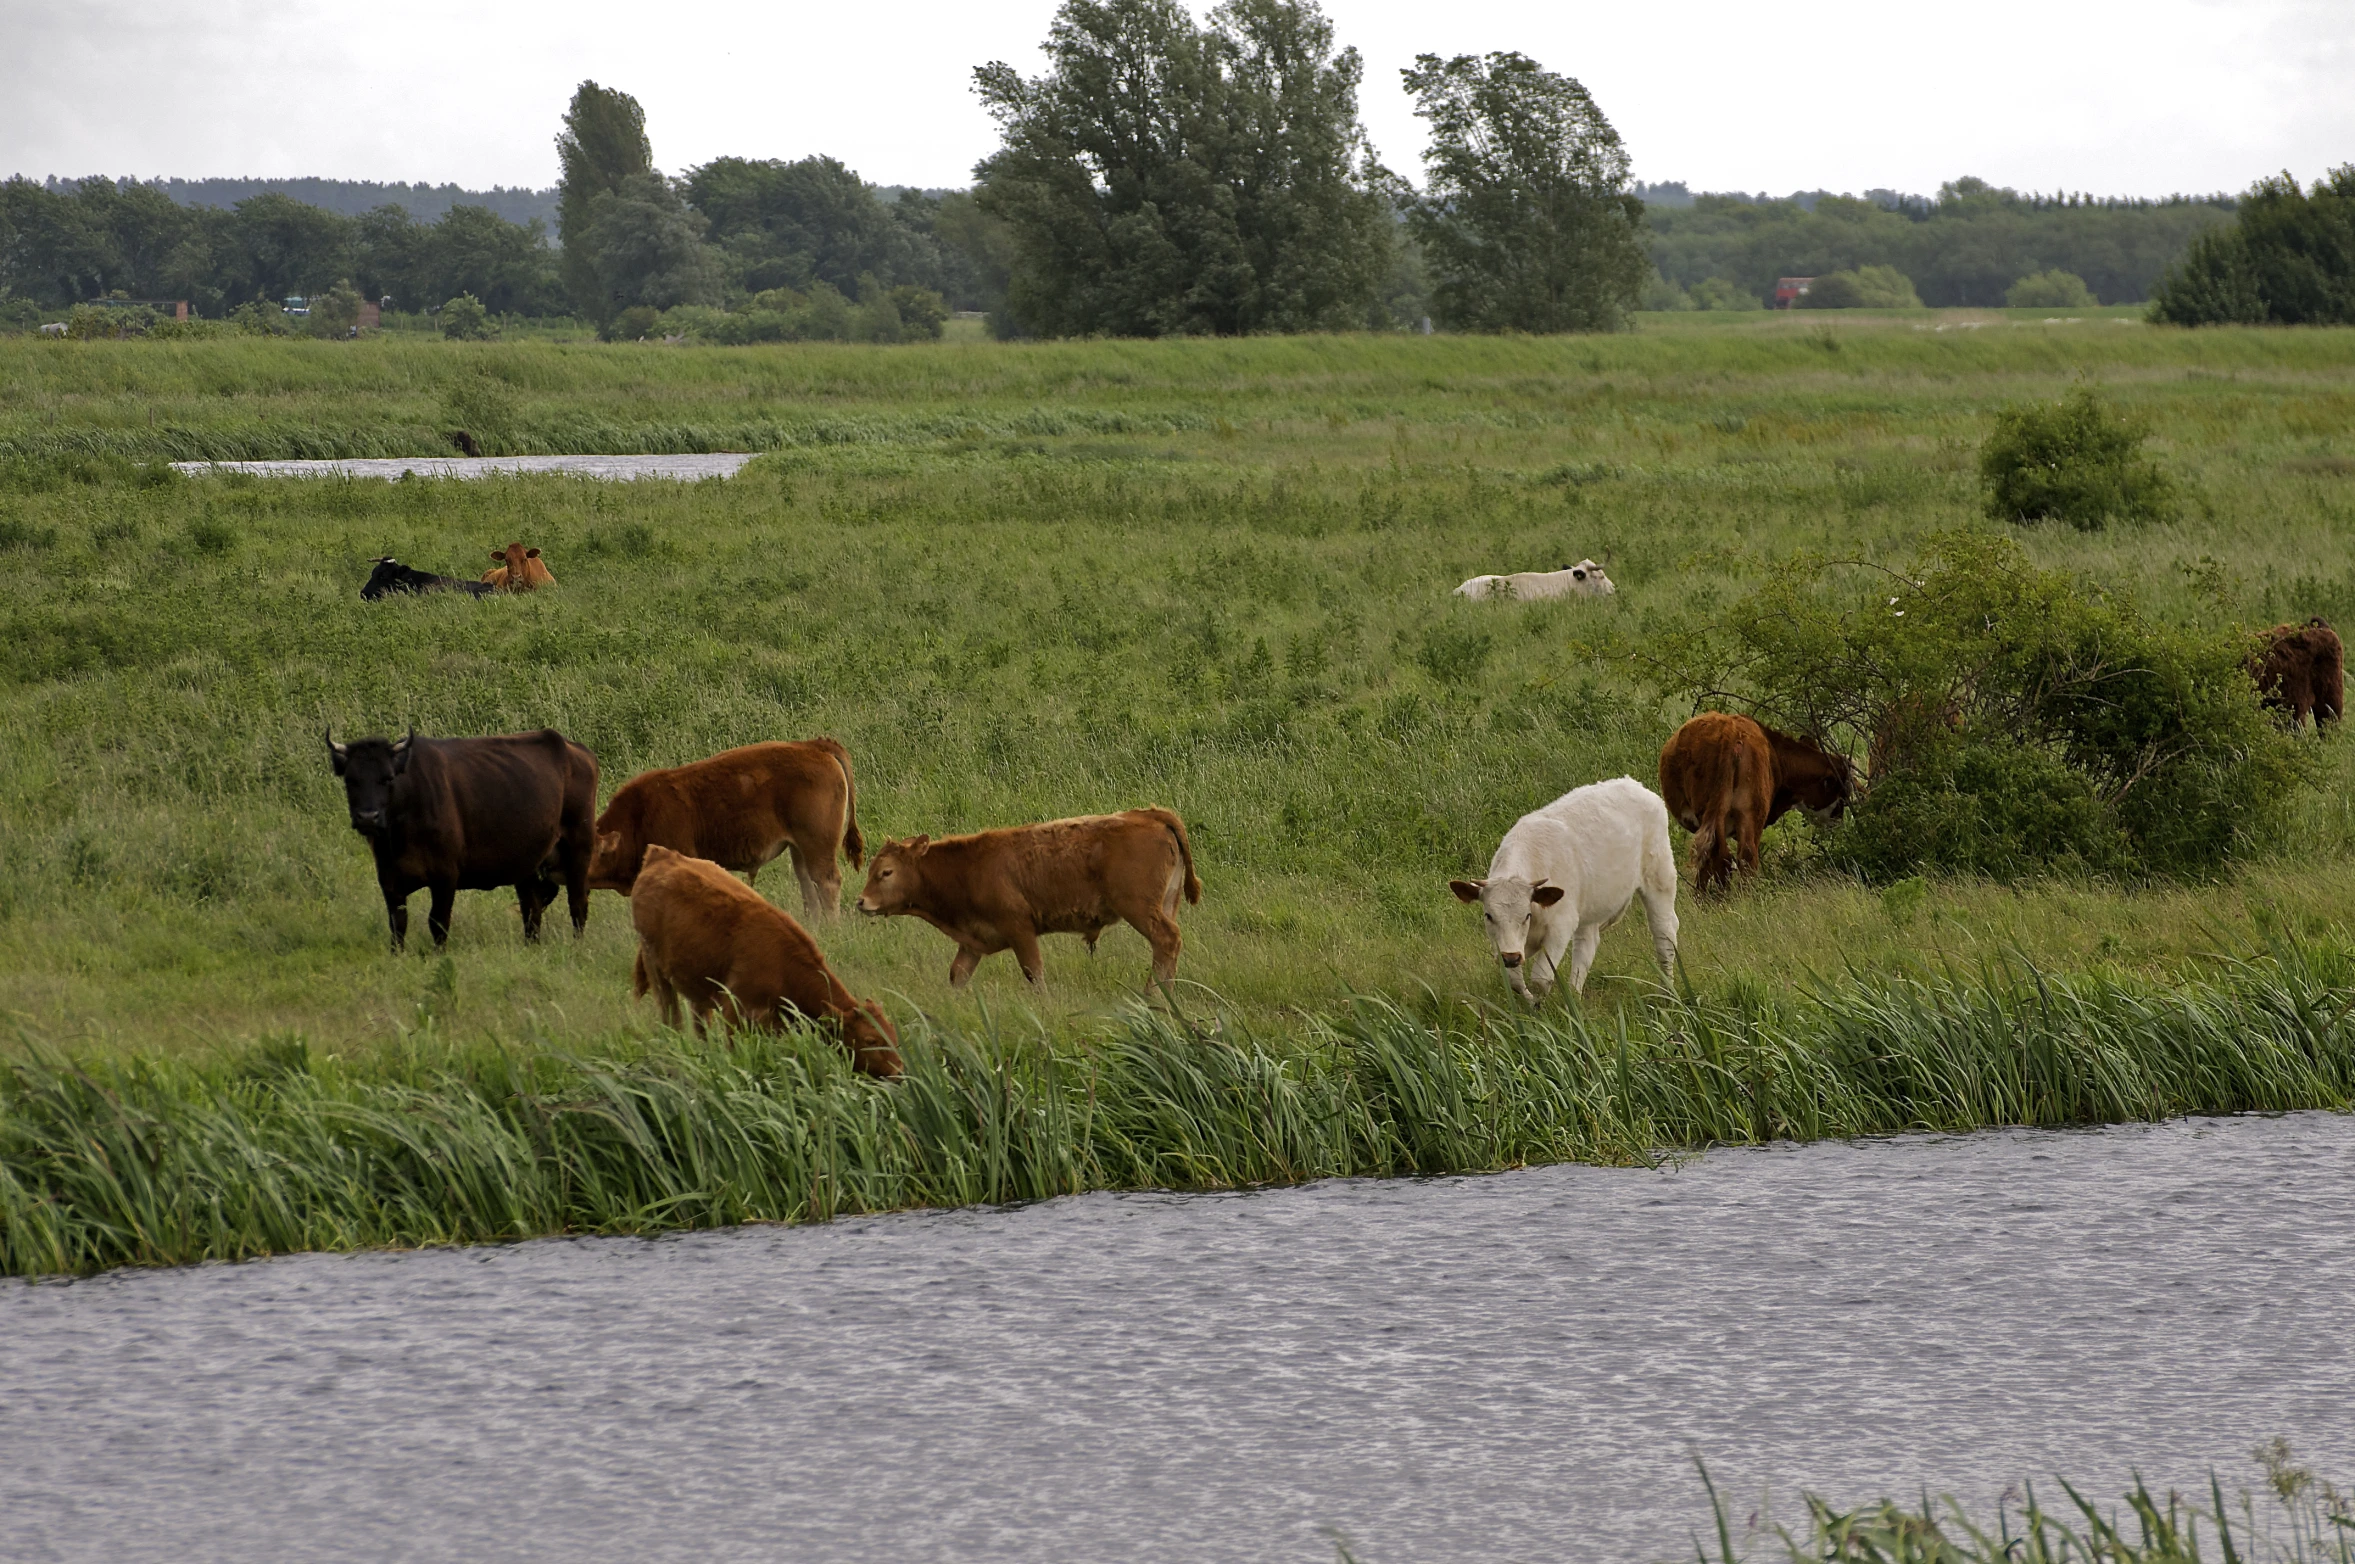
[368, 768]
[386, 577]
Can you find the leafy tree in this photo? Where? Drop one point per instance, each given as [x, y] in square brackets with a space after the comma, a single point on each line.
[603, 144]
[2076, 461]
[641, 244]
[1167, 178]
[1715, 293]
[975, 250]
[2290, 261]
[335, 312]
[1865, 288]
[2050, 290]
[465, 320]
[1528, 222]
[786, 225]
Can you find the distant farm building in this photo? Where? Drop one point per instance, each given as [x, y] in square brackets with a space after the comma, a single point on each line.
[1789, 290]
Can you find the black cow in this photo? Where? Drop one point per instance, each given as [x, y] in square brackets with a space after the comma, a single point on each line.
[451, 815]
[390, 575]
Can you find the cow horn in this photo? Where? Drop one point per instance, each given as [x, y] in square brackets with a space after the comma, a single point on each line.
[333, 748]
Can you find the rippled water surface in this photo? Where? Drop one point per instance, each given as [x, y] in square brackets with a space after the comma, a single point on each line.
[1510, 1367]
[723, 464]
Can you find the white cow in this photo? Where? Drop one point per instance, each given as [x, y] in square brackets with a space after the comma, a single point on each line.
[1584, 579]
[1565, 873]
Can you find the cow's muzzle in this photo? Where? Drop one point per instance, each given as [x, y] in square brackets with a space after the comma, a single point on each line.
[371, 820]
[1511, 958]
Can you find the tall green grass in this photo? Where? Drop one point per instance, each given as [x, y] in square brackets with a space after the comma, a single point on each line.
[108, 1161]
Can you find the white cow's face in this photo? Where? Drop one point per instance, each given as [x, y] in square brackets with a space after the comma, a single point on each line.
[1507, 907]
[1587, 579]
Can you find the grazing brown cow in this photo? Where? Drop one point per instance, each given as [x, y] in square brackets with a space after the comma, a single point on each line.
[707, 936]
[518, 570]
[2301, 669]
[451, 815]
[741, 808]
[1726, 778]
[999, 889]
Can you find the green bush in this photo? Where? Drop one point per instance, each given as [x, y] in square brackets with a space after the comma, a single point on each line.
[634, 324]
[335, 313]
[2050, 290]
[1866, 288]
[2076, 460]
[89, 322]
[464, 319]
[261, 318]
[2015, 724]
[1715, 293]
[1663, 295]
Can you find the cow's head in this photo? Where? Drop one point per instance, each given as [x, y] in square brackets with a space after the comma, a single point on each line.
[616, 858]
[1508, 905]
[386, 577]
[873, 1040]
[1587, 577]
[513, 557]
[895, 876]
[1825, 793]
[368, 768]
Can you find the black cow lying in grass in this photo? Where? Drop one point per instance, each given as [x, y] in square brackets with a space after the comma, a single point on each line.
[390, 575]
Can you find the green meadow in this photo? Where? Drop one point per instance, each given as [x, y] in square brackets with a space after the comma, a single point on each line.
[1029, 580]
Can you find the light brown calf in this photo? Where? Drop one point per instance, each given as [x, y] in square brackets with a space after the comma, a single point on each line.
[518, 570]
[1000, 890]
[707, 937]
[741, 808]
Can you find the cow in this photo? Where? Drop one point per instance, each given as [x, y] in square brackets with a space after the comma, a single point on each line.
[2301, 669]
[451, 815]
[1584, 579]
[704, 935]
[518, 570]
[1726, 778]
[1002, 889]
[741, 808]
[390, 576]
[1565, 873]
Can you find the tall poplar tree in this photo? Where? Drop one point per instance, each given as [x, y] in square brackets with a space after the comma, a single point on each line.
[603, 144]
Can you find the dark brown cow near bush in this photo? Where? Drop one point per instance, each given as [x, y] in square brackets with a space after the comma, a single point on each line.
[998, 890]
[1726, 778]
[705, 936]
[741, 808]
[451, 815]
[2301, 669]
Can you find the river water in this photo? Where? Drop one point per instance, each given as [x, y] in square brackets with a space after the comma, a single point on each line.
[1510, 1367]
[684, 469]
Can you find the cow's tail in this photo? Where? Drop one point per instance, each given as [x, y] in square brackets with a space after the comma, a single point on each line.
[638, 980]
[1177, 828]
[854, 846]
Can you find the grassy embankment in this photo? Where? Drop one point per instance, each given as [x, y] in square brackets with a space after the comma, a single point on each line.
[1021, 581]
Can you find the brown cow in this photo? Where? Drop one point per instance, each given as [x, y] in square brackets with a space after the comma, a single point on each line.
[705, 935]
[2301, 669]
[518, 570]
[999, 889]
[451, 815]
[741, 808]
[1726, 778]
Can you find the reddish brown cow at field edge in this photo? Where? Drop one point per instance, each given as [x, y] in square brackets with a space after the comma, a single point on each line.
[717, 942]
[740, 808]
[518, 570]
[2301, 669]
[1726, 778]
[998, 890]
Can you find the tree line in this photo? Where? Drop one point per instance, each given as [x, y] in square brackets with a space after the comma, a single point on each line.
[1162, 175]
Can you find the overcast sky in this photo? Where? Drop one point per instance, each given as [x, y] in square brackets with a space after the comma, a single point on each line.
[2137, 98]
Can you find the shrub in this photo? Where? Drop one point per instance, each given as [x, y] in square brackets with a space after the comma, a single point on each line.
[2014, 723]
[190, 330]
[2076, 460]
[1866, 288]
[261, 318]
[1453, 654]
[631, 325]
[89, 322]
[465, 320]
[335, 313]
[1663, 295]
[1715, 293]
[2050, 290]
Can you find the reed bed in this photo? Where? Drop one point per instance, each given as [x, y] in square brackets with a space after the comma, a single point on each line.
[142, 1160]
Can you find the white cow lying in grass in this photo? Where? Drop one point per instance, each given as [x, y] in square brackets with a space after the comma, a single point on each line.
[1584, 579]
[1565, 873]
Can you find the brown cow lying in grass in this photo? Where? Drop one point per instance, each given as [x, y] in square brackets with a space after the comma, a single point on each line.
[2301, 669]
[518, 570]
[999, 890]
[1726, 778]
[740, 808]
[705, 935]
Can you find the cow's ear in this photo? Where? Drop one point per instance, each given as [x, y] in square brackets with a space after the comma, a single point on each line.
[499, 554]
[1466, 890]
[1545, 895]
[531, 553]
[917, 844]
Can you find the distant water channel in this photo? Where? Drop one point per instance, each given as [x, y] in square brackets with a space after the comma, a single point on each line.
[683, 469]
[1511, 1367]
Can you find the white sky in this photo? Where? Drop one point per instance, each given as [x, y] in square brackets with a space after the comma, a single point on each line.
[2142, 98]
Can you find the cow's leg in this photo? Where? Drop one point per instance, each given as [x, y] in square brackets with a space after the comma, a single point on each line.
[1751, 823]
[821, 882]
[576, 892]
[533, 896]
[1025, 942]
[437, 917]
[396, 913]
[1162, 934]
[961, 969]
[1582, 955]
[1660, 918]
